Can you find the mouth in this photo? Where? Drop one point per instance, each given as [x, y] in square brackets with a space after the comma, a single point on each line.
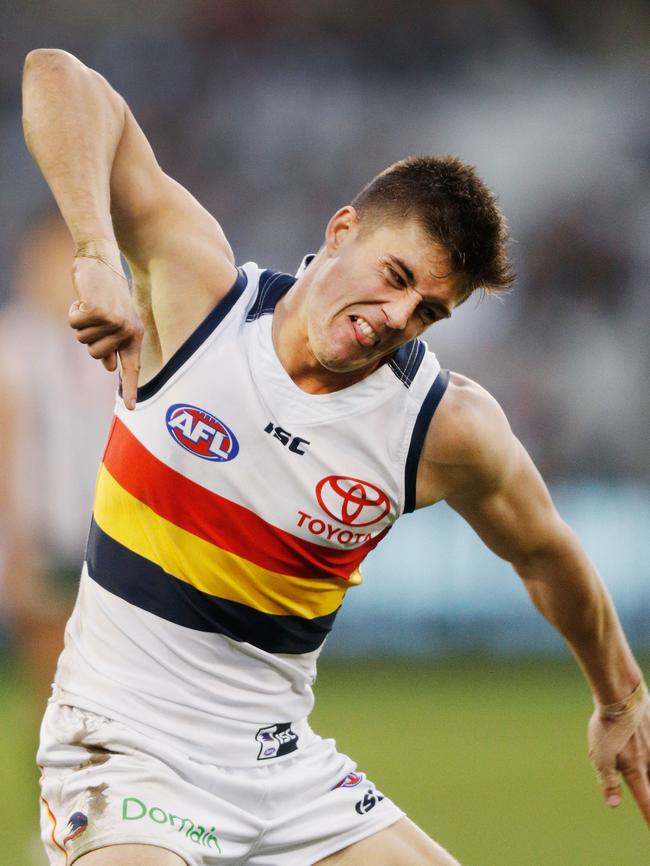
[369, 337]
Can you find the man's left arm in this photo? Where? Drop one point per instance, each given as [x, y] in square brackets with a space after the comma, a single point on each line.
[487, 476]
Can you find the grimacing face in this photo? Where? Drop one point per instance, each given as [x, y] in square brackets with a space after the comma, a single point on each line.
[376, 289]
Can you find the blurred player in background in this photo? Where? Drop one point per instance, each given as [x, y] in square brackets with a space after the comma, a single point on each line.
[54, 414]
[281, 425]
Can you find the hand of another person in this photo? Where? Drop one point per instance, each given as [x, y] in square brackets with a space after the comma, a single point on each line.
[619, 742]
[105, 317]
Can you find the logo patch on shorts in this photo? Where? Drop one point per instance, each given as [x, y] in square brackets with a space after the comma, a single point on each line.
[350, 781]
[368, 801]
[77, 824]
[276, 740]
[201, 433]
[134, 809]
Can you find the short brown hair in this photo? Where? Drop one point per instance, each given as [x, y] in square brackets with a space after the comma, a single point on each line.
[454, 206]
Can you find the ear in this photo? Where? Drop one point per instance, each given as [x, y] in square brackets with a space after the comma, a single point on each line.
[342, 228]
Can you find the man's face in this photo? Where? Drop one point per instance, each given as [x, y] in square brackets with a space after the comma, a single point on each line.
[376, 289]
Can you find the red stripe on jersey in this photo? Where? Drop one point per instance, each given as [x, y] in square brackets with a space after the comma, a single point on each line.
[218, 520]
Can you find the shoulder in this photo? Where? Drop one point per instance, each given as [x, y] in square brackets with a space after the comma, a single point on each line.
[469, 444]
[468, 425]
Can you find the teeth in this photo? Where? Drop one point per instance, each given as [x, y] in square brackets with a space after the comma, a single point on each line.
[365, 328]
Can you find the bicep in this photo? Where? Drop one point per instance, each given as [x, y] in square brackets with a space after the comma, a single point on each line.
[515, 516]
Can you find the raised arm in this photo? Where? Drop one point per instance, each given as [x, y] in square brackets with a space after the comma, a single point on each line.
[473, 460]
[114, 196]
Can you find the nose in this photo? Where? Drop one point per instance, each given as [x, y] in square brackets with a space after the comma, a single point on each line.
[399, 310]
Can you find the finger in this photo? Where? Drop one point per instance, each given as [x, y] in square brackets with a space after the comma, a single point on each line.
[611, 786]
[110, 362]
[95, 333]
[638, 783]
[130, 363]
[103, 348]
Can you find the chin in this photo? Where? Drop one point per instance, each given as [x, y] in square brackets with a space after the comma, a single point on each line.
[347, 359]
[345, 365]
[336, 365]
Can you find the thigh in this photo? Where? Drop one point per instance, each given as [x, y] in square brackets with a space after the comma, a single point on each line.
[402, 844]
[131, 855]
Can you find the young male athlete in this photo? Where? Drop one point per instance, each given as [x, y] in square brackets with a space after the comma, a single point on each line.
[281, 426]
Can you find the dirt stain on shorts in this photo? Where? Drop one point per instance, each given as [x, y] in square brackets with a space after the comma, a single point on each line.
[97, 799]
[97, 756]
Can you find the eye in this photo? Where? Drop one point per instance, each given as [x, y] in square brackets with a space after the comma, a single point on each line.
[396, 278]
[427, 315]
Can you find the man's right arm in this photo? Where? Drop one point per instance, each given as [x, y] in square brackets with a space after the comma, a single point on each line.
[112, 193]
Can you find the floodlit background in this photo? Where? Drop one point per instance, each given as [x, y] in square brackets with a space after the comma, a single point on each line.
[274, 114]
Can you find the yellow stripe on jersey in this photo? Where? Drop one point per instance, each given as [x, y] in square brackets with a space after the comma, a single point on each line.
[204, 565]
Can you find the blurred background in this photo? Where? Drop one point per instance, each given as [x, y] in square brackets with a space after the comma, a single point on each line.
[274, 113]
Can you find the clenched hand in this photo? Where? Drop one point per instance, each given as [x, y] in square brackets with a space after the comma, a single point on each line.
[105, 318]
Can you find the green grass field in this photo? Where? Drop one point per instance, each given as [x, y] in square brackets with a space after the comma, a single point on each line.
[487, 756]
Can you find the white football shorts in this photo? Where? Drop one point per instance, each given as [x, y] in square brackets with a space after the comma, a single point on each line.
[105, 784]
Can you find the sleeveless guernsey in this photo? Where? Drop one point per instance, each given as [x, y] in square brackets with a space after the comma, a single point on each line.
[232, 514]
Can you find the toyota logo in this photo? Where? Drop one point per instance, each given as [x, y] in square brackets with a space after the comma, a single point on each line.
[352, 501]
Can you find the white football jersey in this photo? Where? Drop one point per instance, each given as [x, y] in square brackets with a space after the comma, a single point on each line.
[232, 513]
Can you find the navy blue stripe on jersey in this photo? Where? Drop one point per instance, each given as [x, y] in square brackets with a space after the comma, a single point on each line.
[144, 584]
[406, 361]
[428, 407]
[271, 287]
[196, 339]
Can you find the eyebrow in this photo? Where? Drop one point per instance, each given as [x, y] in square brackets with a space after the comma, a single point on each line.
[432, 303]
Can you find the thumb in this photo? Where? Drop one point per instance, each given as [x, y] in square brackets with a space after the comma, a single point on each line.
[77, 307]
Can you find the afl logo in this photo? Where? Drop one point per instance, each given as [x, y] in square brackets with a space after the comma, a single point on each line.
[351, 501]
[200, 433]
[350, 781]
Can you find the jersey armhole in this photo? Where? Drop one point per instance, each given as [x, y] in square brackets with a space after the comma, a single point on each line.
[422, 422]
[272, 286]
[195, 340]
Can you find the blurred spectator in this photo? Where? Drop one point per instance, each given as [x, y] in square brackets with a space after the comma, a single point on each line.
[54, 416]
[581, 349]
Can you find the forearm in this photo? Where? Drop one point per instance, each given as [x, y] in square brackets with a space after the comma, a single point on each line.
[567, 590]
[73, 122]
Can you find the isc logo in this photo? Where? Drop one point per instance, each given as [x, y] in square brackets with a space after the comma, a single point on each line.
[295, 443]
[276, 740]
[368, 801]
[201, 433]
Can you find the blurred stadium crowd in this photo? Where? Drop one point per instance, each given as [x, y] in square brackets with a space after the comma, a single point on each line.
[275, 113]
